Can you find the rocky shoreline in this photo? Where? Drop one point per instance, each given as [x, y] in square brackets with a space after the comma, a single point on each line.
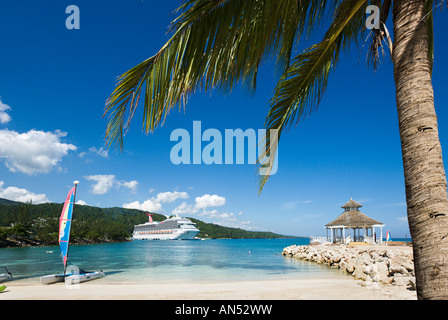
[374, 265]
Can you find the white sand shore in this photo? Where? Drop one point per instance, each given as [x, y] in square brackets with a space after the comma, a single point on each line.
[292, 289]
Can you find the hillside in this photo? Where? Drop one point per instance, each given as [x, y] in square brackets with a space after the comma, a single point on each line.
[38, 224]
[6, 201]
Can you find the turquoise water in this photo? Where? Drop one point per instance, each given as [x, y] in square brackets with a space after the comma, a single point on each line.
[167, 261]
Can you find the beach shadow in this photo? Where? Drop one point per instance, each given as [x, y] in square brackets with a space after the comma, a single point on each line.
[107, 273]
[38, 277]
[22, 278]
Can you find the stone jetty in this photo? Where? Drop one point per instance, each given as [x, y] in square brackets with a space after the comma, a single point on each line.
[391, 265]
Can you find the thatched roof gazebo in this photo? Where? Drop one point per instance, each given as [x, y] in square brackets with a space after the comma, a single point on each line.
[353, 219]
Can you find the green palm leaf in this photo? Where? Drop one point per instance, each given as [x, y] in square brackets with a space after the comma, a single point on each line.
[215, 44]
[303, 85]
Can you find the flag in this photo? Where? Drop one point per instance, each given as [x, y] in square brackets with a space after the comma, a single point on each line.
[388, 238]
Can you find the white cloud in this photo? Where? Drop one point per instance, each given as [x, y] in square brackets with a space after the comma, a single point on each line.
[101, 151]
[4, 117]
[33, 151]
[201, 205]
[155, 203]
[207, 201]
[228, 219]
[131, 185]
[185, 209]
[203, 202]
[104, 182]
[167, 197]
[21, 195]
[148, 205]
[82, 203]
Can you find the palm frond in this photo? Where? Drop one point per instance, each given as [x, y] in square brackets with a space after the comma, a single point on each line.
[303, 85]
[379, 35]
[215, 45]
[382, 34]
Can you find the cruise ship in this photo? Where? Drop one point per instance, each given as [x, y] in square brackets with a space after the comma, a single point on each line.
[175, 228]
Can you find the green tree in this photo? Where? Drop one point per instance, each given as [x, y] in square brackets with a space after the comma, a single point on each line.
[18, 231]
[216, 44]
[3, 233]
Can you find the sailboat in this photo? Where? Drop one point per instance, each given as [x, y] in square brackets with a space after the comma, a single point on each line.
[76, 275]
[6, 276]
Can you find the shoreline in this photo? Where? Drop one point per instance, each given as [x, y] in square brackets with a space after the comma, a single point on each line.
[291, 289]
[337, 287]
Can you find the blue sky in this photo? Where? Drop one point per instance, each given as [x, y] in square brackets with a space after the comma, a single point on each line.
[53, 87]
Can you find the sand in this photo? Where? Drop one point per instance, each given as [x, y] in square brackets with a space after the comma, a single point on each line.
[285, 289]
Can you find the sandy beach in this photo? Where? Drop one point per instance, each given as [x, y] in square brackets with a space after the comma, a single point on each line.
[291, 289]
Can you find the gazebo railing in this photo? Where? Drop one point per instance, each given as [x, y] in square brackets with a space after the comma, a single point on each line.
[319, 239]
[348, 239]
[371, 240]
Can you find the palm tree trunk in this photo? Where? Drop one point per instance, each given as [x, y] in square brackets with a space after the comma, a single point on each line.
[425, 180]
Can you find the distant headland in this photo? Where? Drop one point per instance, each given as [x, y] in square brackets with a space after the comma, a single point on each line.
[27, 224]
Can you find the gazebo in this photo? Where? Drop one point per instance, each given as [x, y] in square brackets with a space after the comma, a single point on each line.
[352, 219]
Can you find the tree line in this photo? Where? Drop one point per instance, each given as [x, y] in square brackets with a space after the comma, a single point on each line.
[40, 223]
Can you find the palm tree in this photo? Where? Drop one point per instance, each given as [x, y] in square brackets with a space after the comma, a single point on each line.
[218, 43]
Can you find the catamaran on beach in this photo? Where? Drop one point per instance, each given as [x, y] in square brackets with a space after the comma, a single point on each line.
[6, 275]
[75, 275]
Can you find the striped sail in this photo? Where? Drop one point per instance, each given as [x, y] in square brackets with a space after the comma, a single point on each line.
[65, 223]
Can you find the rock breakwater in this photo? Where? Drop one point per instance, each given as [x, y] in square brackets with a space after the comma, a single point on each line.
[373, 264]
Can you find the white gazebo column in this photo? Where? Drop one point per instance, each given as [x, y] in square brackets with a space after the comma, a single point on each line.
[381, 238]
[381, 231]
[343, 235]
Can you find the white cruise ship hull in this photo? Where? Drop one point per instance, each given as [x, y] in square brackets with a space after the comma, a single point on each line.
[175, 228]
[166, 235]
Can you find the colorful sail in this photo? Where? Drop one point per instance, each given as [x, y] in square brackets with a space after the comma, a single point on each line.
[65, 223]
[388, 237]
